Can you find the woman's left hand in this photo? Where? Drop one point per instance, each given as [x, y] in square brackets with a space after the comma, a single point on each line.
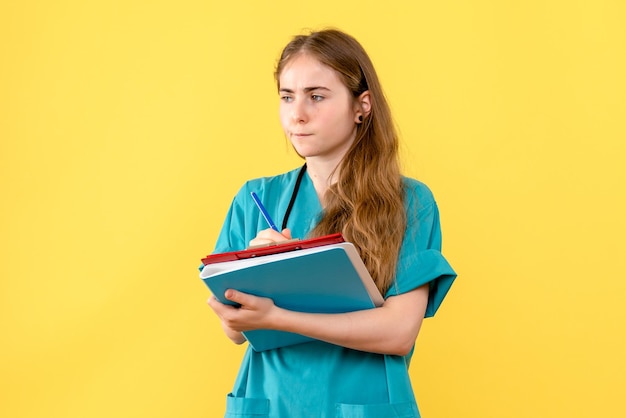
[254, 313]
[269, 236]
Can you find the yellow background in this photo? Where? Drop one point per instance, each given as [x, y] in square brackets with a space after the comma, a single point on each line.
[127, 126]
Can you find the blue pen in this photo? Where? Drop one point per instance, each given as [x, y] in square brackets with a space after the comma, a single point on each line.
[264, 211]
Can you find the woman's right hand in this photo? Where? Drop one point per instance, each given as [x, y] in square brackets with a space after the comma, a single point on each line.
[269, 236]
[218, 307]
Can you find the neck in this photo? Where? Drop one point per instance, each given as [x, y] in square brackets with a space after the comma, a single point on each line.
[322, 174]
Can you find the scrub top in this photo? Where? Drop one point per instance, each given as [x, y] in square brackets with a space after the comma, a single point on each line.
[318, 379]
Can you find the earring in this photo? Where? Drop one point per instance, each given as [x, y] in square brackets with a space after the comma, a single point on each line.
[360, 118]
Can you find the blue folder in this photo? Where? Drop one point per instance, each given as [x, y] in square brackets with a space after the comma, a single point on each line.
[329, 279]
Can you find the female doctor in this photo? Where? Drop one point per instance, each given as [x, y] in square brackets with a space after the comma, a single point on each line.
[333, 111]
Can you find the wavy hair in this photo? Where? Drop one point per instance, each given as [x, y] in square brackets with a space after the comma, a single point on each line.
[366, 204]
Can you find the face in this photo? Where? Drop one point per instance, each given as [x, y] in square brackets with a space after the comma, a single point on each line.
[318, 113]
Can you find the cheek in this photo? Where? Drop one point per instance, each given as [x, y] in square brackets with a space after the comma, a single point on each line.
[342, 122]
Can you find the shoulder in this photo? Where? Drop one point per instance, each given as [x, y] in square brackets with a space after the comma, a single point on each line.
[418, 195]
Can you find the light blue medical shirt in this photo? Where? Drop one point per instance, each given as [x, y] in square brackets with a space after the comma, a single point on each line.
[317, 379]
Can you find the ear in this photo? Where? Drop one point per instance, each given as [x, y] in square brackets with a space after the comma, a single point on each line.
[363, 106]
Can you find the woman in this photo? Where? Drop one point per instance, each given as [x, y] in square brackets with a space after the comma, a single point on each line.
[334, 112]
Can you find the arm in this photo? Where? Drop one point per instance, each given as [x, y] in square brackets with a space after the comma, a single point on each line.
[389, 329]
[423, 280]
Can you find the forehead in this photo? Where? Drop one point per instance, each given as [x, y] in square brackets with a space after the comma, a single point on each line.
[304, 70]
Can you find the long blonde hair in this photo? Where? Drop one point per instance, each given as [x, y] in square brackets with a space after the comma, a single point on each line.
[366, 204]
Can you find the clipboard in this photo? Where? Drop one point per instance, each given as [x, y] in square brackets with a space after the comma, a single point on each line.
[278, 248]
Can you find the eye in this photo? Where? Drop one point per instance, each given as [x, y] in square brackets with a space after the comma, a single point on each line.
[286, 99]
[317, 98]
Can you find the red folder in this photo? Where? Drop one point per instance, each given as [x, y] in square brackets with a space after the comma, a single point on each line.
[273, 249]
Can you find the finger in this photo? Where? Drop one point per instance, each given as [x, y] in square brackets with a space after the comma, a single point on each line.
[259, 242]
[215, 304]
[269, 236]
[241, 298]
[218, 307]
[286, 233]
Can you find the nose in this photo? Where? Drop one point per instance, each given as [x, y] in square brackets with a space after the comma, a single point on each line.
[298, 111]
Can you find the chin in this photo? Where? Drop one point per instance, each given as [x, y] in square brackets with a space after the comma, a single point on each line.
[303, 151]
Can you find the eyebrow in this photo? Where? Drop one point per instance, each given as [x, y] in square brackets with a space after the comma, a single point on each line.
[306, 89]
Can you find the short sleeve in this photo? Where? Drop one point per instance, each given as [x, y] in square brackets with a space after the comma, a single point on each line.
[233, 235]
[420, 260]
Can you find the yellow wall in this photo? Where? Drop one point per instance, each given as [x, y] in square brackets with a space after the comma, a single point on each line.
[127, 126]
